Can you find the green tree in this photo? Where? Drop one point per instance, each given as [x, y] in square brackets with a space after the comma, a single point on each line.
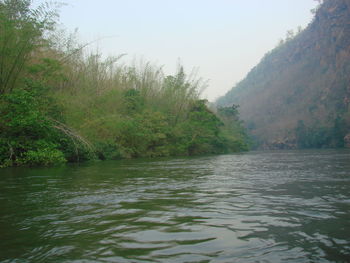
[28, 136]
[21, 33]
[236, 138]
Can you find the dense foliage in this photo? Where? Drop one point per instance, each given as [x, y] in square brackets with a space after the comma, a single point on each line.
[59, 104]
[317, 136]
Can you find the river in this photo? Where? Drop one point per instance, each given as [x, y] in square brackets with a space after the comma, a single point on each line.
[278, 206]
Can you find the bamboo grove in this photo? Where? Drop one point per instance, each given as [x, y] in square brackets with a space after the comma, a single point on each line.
[59, 102]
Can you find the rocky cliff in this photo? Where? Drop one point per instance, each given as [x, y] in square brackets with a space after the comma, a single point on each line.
[299, 94]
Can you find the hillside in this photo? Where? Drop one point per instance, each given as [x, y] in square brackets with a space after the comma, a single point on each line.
[299, 94]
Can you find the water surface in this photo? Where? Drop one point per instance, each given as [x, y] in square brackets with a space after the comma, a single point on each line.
[283, 206]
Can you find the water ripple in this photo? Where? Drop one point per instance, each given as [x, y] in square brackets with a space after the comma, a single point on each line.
[257, 207]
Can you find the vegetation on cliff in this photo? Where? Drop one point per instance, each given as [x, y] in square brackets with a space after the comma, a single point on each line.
[58, 103]
[299, 94]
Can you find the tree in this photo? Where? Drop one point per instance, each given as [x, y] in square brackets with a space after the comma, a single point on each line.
[229, 112]
[21, 33]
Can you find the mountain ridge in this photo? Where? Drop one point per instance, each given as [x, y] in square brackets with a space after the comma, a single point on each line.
[298, 96]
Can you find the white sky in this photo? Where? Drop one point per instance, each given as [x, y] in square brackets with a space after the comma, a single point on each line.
[223, 39]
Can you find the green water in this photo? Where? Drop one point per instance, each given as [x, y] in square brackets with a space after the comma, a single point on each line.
[290, 206]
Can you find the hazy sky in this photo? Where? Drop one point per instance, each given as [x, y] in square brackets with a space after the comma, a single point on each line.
[223, 39]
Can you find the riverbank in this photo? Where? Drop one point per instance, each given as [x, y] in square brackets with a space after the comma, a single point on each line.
[61, 103]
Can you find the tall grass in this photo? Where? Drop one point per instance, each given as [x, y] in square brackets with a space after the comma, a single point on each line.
[94, 106]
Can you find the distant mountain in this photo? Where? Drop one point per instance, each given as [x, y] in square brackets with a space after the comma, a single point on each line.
[299, 94]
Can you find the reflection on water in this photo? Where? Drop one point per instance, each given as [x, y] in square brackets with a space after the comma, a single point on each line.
[291, 206]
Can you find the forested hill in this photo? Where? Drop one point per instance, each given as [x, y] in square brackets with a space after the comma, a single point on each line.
[299, 94]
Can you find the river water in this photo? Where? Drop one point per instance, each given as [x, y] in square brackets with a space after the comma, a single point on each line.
[281, 206]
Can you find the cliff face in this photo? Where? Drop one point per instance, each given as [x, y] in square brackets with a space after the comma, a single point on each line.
[302, 87]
